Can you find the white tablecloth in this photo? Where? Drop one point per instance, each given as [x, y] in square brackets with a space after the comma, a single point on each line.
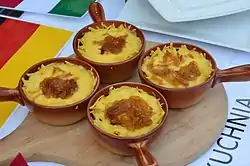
[234, 151]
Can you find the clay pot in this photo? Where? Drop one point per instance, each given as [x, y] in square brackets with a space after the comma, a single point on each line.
[109, 72]
[54, 115]
[185, 97]
[136, 146]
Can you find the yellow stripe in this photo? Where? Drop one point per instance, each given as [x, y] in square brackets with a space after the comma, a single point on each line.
[45, 43]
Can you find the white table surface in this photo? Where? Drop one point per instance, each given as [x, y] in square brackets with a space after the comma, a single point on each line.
[225, 58]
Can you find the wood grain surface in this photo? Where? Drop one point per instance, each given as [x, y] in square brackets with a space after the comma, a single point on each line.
[187, 134]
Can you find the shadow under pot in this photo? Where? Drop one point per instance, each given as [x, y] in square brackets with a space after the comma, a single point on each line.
[56, 90]
[113, 48]
[196, 77]
[119, 127]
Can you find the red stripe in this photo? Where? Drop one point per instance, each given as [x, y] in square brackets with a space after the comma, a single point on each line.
[13, 35]
[10, 3]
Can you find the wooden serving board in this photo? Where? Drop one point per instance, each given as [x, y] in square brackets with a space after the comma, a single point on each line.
[188, 134]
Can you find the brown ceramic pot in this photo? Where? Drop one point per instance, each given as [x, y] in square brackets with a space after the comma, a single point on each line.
[54, 115]
[186, 97]
[109, 72]
[137, 146]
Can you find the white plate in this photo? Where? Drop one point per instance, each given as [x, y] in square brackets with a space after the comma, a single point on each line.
[189, 10]
[43, 164]
[229, 31]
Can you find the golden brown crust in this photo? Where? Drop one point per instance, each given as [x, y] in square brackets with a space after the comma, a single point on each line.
[57, 87]
[190, 72]
[113, 44]
[169, 59]
[185, 74]
[132, 113]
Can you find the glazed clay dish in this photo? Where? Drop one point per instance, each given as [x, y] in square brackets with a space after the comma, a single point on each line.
[57, 90]
[109, 46]
[127, 117]
[183, 73]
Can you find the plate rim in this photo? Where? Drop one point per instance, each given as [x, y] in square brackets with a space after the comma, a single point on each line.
[207, 14]
[45, 162]
[144, 26]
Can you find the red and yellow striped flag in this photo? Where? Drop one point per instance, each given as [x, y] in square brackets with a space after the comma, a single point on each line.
[23, 44]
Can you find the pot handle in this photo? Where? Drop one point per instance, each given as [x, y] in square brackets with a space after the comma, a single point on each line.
[9, 94]
[234, 74]
[96, 12]
[143, 156]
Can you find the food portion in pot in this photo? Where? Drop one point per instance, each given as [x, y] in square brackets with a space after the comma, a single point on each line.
[127, 112]
[109, 44]
[59, 84]
[173, 67]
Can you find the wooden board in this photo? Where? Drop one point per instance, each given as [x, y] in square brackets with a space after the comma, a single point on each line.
[188, 134]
